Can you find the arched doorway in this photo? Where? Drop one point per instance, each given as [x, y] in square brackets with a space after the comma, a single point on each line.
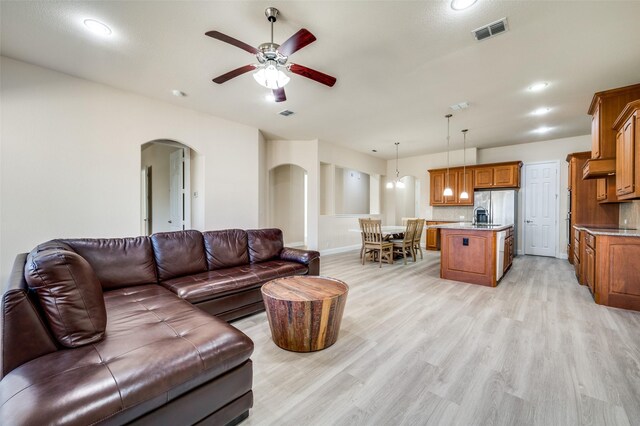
[407, 199]
[165, 186]
[288, 203]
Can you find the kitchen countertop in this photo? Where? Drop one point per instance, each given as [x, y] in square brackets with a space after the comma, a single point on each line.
[470, 227]
[616, 232]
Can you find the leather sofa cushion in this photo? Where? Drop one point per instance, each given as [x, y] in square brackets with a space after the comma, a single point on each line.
[205, 286]
[70, 295]
[264, 244]
[226, 248]
[118, 262]
[178, 253]
[155, 345]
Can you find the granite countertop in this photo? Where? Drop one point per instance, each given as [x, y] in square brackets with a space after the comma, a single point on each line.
[470, 227]
[599, 230]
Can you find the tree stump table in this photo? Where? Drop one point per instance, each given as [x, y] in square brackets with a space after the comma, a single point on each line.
[304, 312]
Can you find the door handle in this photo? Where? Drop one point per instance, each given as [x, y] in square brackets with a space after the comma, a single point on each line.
[170, 221]
[529, 221]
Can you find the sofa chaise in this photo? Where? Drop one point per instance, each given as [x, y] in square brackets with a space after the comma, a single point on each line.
[120, 331]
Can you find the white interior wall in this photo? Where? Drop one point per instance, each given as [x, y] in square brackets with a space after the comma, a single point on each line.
[197, 190]
[286, 189]
[405, 199]
[550, 150]
[352, 188]
[70, 163]
[335, 230]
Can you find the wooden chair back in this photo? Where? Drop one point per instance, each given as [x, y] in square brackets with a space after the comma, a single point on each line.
[372, 231]
[410, 231]
[419, 227]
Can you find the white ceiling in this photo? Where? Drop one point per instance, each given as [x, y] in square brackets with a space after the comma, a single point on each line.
[399, 64]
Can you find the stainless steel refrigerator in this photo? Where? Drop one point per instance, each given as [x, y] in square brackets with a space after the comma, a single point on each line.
[502, 207]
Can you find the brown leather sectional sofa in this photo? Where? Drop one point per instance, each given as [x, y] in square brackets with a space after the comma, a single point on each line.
[108, 331]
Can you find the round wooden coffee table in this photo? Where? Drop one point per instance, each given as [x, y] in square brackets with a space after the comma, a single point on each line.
[304, 312]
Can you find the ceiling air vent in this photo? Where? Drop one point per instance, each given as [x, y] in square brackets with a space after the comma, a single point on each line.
[286, 112]
[490, 30]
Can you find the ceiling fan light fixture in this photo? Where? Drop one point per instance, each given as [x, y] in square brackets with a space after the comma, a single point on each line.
[270, 76]
[400, 184]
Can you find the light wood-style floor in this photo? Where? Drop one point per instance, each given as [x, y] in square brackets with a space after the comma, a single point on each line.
[417, 350]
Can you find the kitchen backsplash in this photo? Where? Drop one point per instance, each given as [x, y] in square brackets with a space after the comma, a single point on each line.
[452, 213]
[631, 213]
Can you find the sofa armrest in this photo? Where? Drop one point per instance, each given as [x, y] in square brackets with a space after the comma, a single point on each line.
[310, 258]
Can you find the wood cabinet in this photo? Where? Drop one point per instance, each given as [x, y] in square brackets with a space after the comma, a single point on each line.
[628, 152]
[436, 183]
[604, 109]
[590, 262]
[459, 180]
[432, 238]
[584, 208]
[495, 176]
[508, 249]
[615, 271]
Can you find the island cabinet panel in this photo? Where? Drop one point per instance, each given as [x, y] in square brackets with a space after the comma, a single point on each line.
[468, 256]
[616, 271]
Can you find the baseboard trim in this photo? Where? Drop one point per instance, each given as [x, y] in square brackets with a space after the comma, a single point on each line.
[340, 249]
[562, 256]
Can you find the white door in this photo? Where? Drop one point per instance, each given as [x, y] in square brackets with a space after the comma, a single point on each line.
[176, 190]
[540, 209]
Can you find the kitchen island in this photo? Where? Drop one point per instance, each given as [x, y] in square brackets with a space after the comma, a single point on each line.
[476, 254]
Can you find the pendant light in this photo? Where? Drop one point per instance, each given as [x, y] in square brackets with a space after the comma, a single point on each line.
[464, 195]
[397, 182]
[448, 192]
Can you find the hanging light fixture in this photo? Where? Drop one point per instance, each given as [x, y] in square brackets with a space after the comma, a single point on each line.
[464, 195]
[269, 73]
[448, 192]
[397, 182]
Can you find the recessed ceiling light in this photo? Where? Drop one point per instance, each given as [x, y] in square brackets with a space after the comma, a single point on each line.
[97, 27]
[536, 87]
[541, 111]
[462, 4]
[542, 129]
[178, 93]
[270, 97]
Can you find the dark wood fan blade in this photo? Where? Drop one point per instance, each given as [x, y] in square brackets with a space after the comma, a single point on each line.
[312, 74]
[279, 95]
[232, 41]
[231, 74]
[296, 42]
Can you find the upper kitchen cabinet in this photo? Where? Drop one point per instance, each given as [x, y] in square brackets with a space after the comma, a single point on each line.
[494, 176]
[458, 180]
[605, 108]
[627, 128]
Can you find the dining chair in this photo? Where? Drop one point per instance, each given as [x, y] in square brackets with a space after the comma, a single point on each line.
[374, 244]
[404, 246]
[417, 238]
[360, 220]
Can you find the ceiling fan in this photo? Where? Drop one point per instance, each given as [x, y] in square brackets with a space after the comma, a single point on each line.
[272, 59]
